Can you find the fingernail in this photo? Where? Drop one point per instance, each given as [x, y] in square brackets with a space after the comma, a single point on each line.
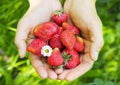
[44, 76]
[59, 71]
[53, 77]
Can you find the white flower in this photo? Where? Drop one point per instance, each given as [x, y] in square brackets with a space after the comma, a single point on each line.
[46, 51]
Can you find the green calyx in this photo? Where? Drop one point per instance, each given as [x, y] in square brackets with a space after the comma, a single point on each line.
[58, 67]
[66, 57]
[59, 12]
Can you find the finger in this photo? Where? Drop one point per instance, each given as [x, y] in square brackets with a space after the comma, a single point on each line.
[84, 66]
[21, 45]
[38, 65]
[51, 74]
[63, 75]
[21, 35]
[59, 71]
[96, 39]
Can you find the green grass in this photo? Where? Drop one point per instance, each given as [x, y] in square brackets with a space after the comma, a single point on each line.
[16, 71]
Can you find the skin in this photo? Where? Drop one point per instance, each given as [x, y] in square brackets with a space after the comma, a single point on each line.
[82, 14]
[38, 12]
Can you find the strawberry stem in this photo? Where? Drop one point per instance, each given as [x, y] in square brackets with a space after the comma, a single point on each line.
[58, 67]
[66, 57]
[59, 12]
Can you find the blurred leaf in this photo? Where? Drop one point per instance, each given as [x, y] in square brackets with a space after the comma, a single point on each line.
[98, 81]
[118, 83]
[93, 73]
[109, 83]
[118, 16]
[109, 35]
[118, 29]
[8, 77]
[110, 54]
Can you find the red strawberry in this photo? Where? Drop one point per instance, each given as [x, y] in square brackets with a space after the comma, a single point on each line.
[60, 30]
[68, 26]
[59, 17]
[56, 58]
[46, 30]
[68, 39]
[79, 44]
[73, 58]
[55, 42]
[35, 47]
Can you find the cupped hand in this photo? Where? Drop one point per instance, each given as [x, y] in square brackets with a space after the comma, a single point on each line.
[39, 11]
[83, 14]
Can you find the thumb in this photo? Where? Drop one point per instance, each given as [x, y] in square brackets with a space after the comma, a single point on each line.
[21, 36]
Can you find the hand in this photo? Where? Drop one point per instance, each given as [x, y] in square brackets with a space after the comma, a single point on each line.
[40, 11]
[83, 15]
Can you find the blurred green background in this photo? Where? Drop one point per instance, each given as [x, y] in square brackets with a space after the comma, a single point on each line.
[16, 71]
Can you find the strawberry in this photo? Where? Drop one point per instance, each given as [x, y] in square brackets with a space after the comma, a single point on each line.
[73, 58]
[79, 44]
[60, 30]
[35, 47]
[68, 39]
[46, 30]
[68, 26]
[59, 17]
[56, 58]
[55, 42]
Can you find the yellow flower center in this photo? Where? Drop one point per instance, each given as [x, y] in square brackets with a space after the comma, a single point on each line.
[47, 50]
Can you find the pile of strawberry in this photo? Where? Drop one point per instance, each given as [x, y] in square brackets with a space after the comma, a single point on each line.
[58, 41]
